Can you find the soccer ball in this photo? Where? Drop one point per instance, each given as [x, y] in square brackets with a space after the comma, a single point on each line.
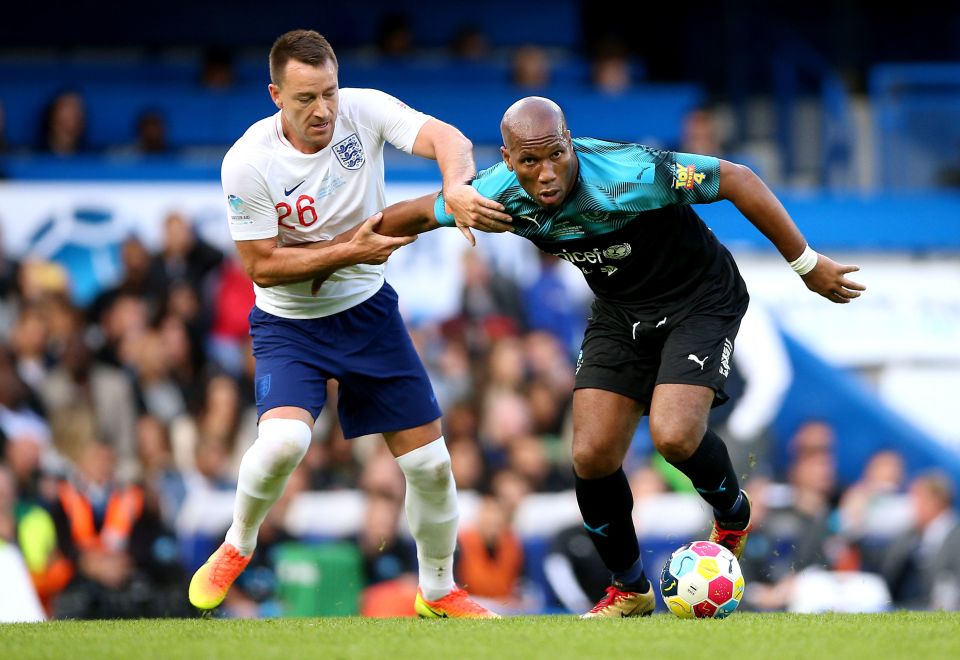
[701, 580]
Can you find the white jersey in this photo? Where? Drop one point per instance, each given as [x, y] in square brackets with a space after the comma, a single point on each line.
[274, 189]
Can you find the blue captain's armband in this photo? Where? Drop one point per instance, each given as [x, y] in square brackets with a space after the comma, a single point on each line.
[445, 219]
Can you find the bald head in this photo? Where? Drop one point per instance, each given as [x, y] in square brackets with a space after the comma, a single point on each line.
[531, 117]
[537, 147]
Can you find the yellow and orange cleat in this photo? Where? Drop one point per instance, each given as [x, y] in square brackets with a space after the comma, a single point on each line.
[734, 540]
[623, 604]
[212, 581]
[455, 605]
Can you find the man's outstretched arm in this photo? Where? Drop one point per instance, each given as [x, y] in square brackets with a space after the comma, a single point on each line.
[761, 207]
[403, 219]
[268, 264]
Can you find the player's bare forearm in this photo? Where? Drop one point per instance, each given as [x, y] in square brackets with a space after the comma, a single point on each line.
[401, 222]
[409, 217]
[450, 148]
[761, 207]
[268, 265]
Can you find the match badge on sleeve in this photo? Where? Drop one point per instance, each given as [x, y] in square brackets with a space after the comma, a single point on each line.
[349, 152]
[238, 211]
[236, 205]
[687, 176]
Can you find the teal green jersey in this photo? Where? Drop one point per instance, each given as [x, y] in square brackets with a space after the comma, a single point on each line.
[626, 224]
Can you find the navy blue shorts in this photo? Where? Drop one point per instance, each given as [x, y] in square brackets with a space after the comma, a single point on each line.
[383, 385]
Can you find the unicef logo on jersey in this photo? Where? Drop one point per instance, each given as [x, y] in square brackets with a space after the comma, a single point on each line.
[349, 152]
[621, 251]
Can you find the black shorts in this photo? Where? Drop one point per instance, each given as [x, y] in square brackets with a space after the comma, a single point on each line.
[632, 350]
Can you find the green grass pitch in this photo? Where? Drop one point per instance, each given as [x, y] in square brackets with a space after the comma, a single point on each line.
[743, 636]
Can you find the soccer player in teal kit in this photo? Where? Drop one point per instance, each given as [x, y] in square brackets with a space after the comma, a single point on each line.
[669, 300]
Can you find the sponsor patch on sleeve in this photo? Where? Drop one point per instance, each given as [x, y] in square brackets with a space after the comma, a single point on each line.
[687, 176]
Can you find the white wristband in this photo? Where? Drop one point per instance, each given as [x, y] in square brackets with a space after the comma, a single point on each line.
[805, 262]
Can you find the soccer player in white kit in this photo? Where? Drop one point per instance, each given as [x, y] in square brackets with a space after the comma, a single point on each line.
[308, 173]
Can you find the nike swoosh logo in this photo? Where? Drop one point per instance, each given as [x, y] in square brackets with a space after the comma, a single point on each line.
[646, 173]
[719, 489]
[287, 193]
[599, 530]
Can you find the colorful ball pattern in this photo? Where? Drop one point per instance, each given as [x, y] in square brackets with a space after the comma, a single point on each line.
[702, 580]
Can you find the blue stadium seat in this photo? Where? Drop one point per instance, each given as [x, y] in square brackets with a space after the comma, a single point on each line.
[916, 108]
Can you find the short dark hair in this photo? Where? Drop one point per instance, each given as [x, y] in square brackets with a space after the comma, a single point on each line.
[307, 46]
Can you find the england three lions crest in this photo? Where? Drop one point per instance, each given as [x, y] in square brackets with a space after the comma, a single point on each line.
[349, 152]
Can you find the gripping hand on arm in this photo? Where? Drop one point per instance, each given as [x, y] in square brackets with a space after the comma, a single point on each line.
[761, 207]
[395, 226]
[268, 264]
[454, 154]
[471, 210]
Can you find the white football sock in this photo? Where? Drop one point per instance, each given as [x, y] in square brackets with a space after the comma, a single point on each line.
[432, 515]
[264, 470]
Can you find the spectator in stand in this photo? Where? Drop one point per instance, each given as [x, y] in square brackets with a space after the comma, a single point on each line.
[547, 305]
[223, 417]
[491, 554]
[804, 525]
[527, 456]
[547, 408]
[610, 69]
[395, 35]
[492, 305]
[922, 566]
[506, 417]
[510, 490]
[467, 463]
[233, 298]
[574, 570]
[81, 385]
[26, 524]
[159, 472]
[158, 392]
[530, 68]
[389, 559]
[122, 556]
[152, 133]
[187, 362]
[700, 133]
[123, 319]
[255, 592]
[184, 254]
[470, 43]
[882, 479]
[506, 367]
[548, 362]
[28, 340]
[63, 129]
[142, 278]
[217, 72]
[150, 138]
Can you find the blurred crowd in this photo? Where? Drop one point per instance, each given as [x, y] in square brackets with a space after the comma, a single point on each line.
[114, 415]
[62, 126]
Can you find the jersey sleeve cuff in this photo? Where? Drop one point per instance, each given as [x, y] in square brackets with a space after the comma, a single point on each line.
[445, 219]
